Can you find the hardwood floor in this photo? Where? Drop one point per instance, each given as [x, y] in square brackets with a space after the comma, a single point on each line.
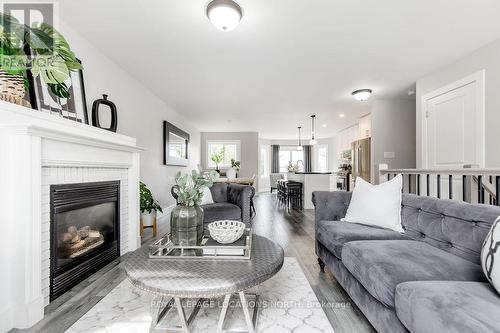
[293, 230]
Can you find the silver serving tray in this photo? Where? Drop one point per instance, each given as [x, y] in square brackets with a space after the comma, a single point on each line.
[208, 250]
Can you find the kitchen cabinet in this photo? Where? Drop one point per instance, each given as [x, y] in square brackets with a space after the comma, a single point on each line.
[365, 127]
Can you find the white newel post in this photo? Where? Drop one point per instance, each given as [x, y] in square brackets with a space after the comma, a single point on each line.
[38, 150]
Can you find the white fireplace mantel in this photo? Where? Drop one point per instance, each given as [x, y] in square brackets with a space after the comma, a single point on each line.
[32, 141]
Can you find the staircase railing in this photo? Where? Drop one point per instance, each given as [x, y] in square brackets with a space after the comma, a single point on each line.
[475, 185]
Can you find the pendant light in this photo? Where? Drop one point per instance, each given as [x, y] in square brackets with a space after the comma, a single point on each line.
[299, 147]
[225, 15]
[313, 141]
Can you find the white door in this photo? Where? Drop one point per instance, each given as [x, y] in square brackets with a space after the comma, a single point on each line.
[454, 123]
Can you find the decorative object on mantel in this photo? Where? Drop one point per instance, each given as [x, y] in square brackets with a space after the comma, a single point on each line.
[175, 145]
[112, 109]
[43, 59]
[186, 219]
[149, 208]
[232, 173]
[12, 89]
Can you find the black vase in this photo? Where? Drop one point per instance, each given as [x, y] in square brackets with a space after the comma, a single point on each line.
[112, 108]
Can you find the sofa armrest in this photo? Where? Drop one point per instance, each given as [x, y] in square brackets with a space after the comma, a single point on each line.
[330, 205]
[241, 196]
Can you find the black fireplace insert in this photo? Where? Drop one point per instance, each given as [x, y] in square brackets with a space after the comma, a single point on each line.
[84, 231]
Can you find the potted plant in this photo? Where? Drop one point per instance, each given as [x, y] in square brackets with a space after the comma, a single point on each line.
[235, 168]
[218, 157]
[149, 206]
[49, 57]
[186, 220]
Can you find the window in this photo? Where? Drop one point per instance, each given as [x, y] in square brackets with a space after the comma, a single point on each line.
[264, 162]
[323, 158]
[291, 154]
[229, 149]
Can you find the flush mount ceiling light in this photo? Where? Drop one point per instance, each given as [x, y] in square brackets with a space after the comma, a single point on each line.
[341, 115]
[225, 15]
[299, 147]
[313, 140]
[362, 94]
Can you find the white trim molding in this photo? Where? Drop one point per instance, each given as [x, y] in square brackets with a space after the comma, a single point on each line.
[479, 78]
[37, 150]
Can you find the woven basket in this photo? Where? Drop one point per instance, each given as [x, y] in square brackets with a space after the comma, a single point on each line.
[12, 89]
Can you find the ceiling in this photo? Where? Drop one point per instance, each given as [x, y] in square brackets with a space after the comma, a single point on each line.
[287, 59]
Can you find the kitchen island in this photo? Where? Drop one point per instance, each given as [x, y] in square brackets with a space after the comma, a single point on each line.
[311, 181]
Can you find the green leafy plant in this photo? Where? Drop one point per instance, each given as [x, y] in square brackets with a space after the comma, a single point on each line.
[189, 187]
[147, 202]
[52, 60]
[235, 164]
[218, 157]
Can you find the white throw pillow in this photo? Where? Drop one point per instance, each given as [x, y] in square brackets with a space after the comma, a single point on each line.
[207, 197]
[490, 255]
[377, 205]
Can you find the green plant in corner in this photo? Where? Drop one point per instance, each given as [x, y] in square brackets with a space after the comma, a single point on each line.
[147, 202]
[189, 187]
[218, 157]
[52, 58]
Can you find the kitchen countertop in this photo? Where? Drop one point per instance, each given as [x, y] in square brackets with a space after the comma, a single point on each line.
[312, 173]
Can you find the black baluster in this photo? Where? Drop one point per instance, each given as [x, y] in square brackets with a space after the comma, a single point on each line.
[418, 184]
[348, 182]
[497, 190]
[490, 196]
[480, 193]
[439, 186]
[464, 190]
[409, 184]
[450, 187]
[428, 185]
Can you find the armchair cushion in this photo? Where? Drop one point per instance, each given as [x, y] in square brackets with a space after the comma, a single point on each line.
[220, 211]
[219, 192]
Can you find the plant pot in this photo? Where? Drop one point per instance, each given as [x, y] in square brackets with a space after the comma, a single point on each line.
[231, 173]
[12, 89]
[148, 219]
[186, 225]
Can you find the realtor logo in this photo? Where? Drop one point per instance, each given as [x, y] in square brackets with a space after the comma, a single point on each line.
[30, 14]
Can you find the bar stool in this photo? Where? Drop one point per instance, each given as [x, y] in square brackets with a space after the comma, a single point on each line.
[294, 194]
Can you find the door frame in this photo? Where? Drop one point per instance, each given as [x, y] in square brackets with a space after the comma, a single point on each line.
[479, 79]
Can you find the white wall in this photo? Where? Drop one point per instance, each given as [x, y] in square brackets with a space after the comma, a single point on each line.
[487, 58]
[393, 130]
[140, 114]
[249, 155]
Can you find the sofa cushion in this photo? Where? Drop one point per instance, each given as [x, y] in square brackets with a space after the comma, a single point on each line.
[445, 306]
[381, 265]
[221, 211]
[334, 234]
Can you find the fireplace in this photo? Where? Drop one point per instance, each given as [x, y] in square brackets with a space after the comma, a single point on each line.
[84, 231]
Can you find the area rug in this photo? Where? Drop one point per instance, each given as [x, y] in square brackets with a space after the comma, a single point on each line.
[288, 304]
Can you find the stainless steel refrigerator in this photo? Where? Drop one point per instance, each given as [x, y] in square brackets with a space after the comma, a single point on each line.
[361, 159]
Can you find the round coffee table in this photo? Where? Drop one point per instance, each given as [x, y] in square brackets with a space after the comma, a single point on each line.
[204, 279]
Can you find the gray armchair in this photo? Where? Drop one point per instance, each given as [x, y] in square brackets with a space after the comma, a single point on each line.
[231, 202]
[273, 180]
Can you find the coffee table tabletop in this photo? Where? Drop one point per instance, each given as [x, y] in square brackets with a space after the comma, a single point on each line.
[204, 278]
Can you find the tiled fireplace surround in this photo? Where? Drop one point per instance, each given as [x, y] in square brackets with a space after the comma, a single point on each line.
[36, 151]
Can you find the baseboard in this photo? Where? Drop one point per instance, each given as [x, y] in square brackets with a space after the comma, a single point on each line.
[6, 320]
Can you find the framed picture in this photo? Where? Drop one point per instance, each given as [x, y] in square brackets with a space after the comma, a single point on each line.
[175, 145]
[73, 108]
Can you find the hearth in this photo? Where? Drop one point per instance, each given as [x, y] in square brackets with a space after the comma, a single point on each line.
[84, 231]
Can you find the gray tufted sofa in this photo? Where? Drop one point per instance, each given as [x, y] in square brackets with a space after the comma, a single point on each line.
[231, 202]
[428, 279]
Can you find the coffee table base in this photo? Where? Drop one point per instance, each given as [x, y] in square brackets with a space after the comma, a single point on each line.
[160, 312]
